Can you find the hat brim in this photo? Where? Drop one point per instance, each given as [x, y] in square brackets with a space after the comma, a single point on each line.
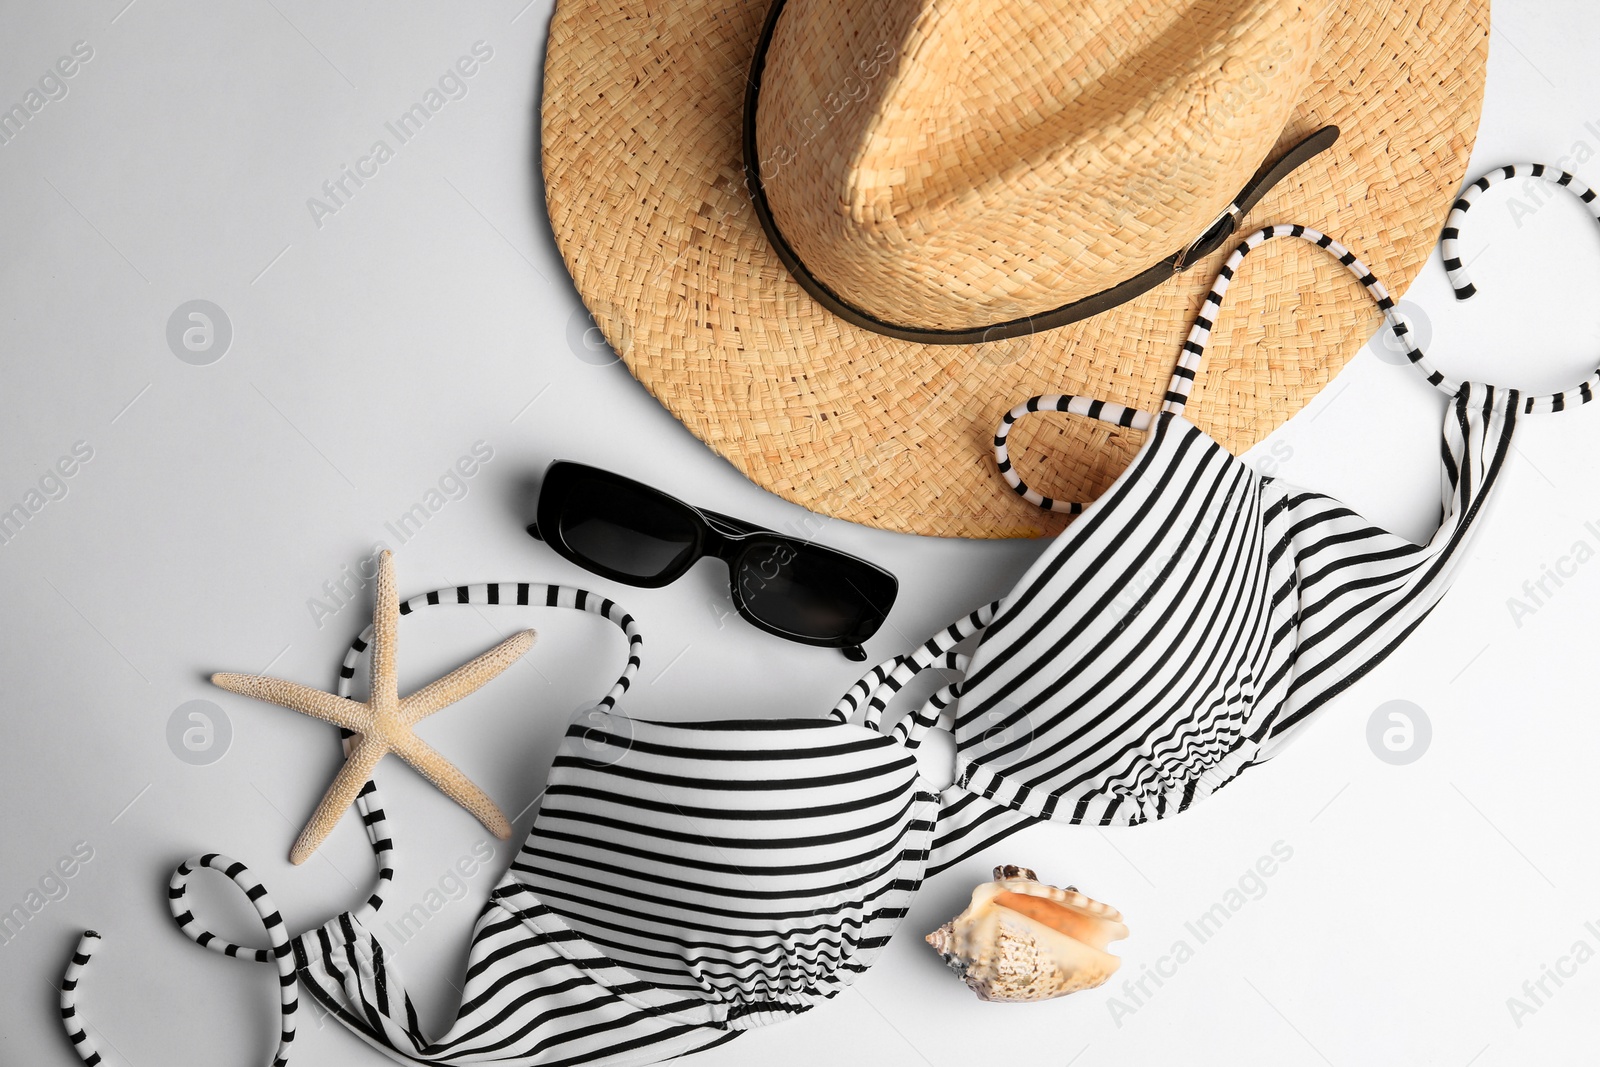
[641, 129]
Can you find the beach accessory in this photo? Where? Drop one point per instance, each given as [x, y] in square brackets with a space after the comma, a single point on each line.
[683, 882]
[335, 952]
[1020, 940]
[383, 724]
[971, 168]
[1214, 610]
[634, 533]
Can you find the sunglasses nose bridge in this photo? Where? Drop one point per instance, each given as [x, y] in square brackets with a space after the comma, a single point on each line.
[722, 541]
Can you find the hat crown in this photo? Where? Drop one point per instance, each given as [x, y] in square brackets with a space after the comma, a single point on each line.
[950, 164]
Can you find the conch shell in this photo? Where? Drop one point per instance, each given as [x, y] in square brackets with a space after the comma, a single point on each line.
[1021, 940]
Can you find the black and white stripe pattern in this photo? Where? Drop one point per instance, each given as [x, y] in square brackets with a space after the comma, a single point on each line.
[967, 823]
[1450, 236]
[1102, 410]
[755, 867]
[525, 1001]
[872, 692]
[281, 952]
[1197, 612]
[321, 958]
[521, 595]
[535, 994]
[682, 882]
[82, 1043]
[1194, 347]
[1450, 249]
[1192, 355]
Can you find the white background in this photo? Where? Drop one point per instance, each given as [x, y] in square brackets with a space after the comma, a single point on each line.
[432, 312]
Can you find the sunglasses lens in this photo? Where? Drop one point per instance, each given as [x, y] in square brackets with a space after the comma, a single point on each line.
[813, 593]
[627, 530]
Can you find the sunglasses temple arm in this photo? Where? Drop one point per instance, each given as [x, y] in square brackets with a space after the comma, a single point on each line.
[854, 653]
[533, 531]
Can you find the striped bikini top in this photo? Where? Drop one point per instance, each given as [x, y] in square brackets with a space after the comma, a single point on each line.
[1198, 612]
[686, 881]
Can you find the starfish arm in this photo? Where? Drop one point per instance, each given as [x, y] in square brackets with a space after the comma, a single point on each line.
[385, 623]
[341, 794]
[465, 679]
[453, 784]
[314, 702]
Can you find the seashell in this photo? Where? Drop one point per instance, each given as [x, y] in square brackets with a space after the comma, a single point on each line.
[1021, 940]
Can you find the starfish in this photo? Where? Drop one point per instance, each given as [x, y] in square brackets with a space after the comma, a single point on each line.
[383, 724]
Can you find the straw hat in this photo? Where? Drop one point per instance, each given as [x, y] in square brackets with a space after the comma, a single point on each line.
[937, 178]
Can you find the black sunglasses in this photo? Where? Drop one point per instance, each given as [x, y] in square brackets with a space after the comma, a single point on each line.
[629, 532]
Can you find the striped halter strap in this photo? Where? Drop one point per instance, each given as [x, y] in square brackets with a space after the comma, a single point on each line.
[686, 881]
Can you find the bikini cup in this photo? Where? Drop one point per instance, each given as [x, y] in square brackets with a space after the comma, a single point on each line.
[1198, 614]
[683, 882]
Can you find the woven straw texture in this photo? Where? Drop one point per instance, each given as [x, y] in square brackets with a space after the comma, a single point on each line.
[918, 155]
[970, 195]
